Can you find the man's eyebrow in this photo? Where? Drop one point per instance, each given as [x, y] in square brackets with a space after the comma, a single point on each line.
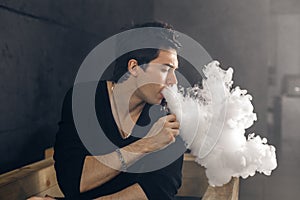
[169, 65]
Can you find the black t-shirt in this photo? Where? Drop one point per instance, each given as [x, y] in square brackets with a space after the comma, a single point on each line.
[70, 152]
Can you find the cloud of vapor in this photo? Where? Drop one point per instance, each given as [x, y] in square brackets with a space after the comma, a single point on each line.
[230, 153]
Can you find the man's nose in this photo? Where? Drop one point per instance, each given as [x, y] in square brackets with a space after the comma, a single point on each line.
[171, 79]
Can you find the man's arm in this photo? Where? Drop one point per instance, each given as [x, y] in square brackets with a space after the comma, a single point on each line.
[98, 170]
[132, 192]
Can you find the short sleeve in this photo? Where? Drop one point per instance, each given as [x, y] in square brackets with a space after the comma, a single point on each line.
[69, 152]
[164, 183]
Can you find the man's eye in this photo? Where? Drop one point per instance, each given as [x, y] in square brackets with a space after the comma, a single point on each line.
[165, 69]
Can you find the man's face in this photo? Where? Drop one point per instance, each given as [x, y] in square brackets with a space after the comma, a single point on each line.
[159, 73]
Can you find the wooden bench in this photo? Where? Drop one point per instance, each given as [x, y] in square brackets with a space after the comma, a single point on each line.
[39, 179]
[35, 179]
[195, 183]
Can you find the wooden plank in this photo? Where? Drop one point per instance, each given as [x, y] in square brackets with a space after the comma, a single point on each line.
[49, 153]
[194, 181]
[28, 181]
[230, 191]
[53, 191]
[24, 171]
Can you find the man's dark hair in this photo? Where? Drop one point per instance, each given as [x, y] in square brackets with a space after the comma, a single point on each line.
[165, 40]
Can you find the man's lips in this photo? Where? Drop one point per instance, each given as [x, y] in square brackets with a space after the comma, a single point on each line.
[160, 95]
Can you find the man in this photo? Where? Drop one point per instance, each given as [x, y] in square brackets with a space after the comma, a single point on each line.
[122, 103]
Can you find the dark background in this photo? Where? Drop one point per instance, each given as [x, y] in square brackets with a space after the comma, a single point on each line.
[43, 43]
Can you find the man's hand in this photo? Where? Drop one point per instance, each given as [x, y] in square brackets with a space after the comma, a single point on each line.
[162, 133]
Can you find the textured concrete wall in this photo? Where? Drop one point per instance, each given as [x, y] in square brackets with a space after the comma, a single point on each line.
[42, 44]
[233, 32]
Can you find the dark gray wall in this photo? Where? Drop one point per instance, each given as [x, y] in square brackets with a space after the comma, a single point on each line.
[42, 44]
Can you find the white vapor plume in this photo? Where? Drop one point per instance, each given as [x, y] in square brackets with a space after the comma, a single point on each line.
[224, 152]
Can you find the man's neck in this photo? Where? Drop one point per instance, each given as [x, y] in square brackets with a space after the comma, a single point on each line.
[126, 104]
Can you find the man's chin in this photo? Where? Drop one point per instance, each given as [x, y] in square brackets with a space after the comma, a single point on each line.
[156, 102]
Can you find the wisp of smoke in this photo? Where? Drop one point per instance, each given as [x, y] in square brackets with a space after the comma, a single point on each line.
[224, 152]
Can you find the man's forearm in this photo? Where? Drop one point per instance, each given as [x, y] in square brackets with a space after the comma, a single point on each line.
[95, 173]
[134, 192]
[98, 170]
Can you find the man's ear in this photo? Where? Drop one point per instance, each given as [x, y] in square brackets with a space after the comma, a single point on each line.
[133, 67]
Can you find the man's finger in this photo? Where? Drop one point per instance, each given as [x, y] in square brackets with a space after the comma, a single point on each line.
[171, 118]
